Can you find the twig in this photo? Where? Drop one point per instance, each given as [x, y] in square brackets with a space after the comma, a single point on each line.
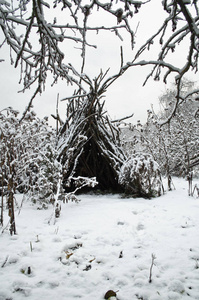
[122, 119]
[195, 189]
[152, 264]
[74, 97]
[5, 261]
[20, 207]
[30, 103]
[5, 227]
[51, 216]
[122, 57]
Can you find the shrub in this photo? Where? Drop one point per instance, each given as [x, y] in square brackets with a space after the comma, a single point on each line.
[140, 176]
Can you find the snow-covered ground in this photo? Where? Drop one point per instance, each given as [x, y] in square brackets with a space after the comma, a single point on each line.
[104, 243]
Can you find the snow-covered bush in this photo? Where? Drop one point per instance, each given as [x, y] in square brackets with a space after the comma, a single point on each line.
[40, 160]
[140, 176]
[28, 156]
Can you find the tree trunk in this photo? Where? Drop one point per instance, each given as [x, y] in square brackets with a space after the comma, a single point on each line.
[11, 207]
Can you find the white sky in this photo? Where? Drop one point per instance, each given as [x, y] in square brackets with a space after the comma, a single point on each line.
[125, 96]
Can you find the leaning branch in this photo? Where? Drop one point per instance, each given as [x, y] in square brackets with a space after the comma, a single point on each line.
[122, 119]
[30, 103]
[73, 97]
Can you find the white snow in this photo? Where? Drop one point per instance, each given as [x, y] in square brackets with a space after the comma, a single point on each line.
[104, 243]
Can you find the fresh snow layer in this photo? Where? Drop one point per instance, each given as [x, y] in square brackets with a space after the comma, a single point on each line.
[104, 243]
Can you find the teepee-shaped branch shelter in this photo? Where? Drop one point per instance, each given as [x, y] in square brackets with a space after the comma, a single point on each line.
[89, 144]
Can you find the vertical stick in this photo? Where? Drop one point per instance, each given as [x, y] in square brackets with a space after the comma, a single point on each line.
[31, 246]
[152, 264]
[57, 114]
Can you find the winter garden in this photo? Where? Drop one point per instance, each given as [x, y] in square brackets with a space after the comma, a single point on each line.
[97, 208]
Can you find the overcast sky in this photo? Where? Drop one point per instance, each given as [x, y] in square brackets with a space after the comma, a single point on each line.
[125, 96]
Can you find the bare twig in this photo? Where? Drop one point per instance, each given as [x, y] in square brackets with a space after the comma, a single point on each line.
[151, 268]
[122, 119]
[5, 261]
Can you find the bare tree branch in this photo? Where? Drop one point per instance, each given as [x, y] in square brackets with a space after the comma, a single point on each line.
[45, 56]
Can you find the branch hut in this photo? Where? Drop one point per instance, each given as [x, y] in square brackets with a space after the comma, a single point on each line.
[89, 144]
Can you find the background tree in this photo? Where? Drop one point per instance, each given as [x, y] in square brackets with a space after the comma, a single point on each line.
[183, 129]
[173, 145]
[150, 138]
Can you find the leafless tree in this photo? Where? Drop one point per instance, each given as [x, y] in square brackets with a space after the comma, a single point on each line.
[36, 41]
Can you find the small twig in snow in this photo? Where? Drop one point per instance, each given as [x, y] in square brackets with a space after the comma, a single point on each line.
[20, 207]
[152, 264]
[56, 230]
[31, 248]
[197, 265]
[5, 227]
[5, 261]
